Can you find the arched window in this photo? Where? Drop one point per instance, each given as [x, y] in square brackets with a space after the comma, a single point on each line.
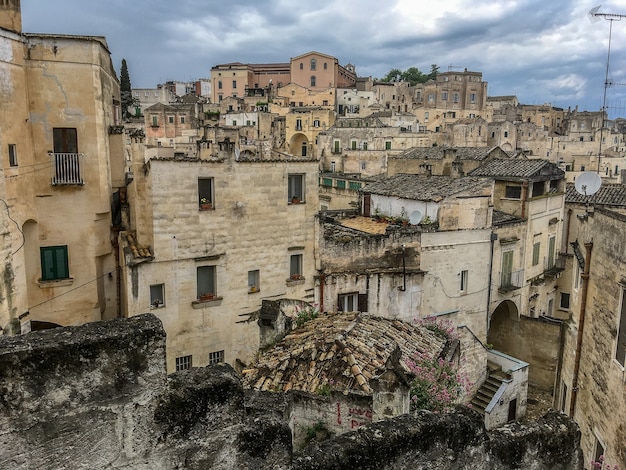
[301, 66]
[313, 64]
[312, 80]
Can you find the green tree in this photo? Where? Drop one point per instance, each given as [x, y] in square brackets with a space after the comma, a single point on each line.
[412, 75]
[126, 91]
[392, 76]
[434, 70]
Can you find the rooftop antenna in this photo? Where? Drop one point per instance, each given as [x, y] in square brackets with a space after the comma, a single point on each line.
[594, 15]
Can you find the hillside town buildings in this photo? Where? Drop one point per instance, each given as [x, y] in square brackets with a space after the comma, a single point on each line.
[301, 184]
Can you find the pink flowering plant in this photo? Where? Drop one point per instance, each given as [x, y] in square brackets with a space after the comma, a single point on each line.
[601, 464]
[443, 328]
[437, 385]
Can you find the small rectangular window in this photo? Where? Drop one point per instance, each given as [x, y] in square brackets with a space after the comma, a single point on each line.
[341, 184]
[348, 302]
[157, 295]
[444, 96]
[205, 194]
[536, 248]
[54, 263]
[183, 363]
[513, 192]
[216, 357]
[12, 155]
[564, 301]
[206, 282]
[388, 145]
[464, 279]
[182, 119]
[170, 119]
[234, 84]
[155, 121]
[295, 267]
[253, 281]
[295, 189]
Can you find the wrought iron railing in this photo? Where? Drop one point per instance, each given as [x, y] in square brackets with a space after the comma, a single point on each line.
[511, 280]
[67, 169]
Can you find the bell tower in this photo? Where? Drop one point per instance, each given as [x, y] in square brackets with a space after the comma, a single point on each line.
[11, 15]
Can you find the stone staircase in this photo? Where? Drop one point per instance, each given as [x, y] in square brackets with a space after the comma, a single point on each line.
[488, 389]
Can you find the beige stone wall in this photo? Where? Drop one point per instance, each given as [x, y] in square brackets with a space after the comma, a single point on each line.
[252, 226]
[600, 407]
[70, 83]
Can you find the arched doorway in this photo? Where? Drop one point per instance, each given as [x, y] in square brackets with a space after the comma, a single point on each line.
[299, 145]
[504, 327]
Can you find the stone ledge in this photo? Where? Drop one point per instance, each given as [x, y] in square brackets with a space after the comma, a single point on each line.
[198, 304]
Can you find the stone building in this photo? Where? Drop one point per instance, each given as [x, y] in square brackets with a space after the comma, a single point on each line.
[591, 388]
[171, 125]
[351, 366]
[61, 148]
[210, 236]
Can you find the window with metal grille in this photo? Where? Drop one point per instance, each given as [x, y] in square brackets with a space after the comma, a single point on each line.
[216, 357]
[183, 363]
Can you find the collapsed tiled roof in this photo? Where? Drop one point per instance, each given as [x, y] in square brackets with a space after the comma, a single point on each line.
[134, 249]
[517, 168]
[343, 351]
[428, 188]
[502, 218]
[608, 195]
[437, 153]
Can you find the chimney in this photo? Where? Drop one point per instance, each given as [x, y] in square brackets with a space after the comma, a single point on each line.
[11, 15]
[457, 169]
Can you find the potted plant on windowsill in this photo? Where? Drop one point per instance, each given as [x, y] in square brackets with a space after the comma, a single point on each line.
[296, 277]
[295, 200]
[206, 296]
[205, 204]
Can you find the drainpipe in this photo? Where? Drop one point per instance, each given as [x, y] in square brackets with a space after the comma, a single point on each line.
[581, 325]
[567, 228]
[322, 279]
[403, 287]
[494, 237]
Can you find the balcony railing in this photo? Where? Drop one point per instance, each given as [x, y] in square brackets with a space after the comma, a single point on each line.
[511, 280]
[554, 267]
[66, 169]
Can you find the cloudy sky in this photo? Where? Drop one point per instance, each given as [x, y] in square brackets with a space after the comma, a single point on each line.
[543, 51]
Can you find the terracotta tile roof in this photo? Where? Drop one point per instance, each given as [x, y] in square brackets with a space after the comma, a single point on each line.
[502, 218]
[437, 153]
[608, 195]
[343, 351]
[517, 168]
[137, 250]
[427, 188]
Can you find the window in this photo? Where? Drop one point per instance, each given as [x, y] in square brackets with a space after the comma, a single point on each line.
[551, 251]
[327, 182]
[444, 96]
[296, 188]
[298, 124]
[426, 114]
[325, 66]
[564, 301]
[388, 145]
[234, 84]
[363, 165]
[205, 193]
[364, 145]
[170, 119]
[253, 281]
[598, 452]
[536, 248]
[313, 64]
[563, 397]
[304, 149]
[157, 295]
[65, 140]
[538, 188]
[182, 119]
[216, 357]
[336, 148]
[183, 363]
[431, 97]
[312, 80]
[206, 286]
[54, 263]
[333, 166]
[301, 66]
[353, 144]
[348, 302]
[456, 98]
[155, 121]
[295, 267]
[464, 279]
[513, 192]
[620, 350]
[219, 85]
[507, 269]
[13, 155]
[472, 97]
[341, 184]
[316, 123]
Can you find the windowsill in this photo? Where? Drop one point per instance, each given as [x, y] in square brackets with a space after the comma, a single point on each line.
[56, 282]
[291, 203]
[208, 209]
[154, 307]
[295, 282]
[198, 304]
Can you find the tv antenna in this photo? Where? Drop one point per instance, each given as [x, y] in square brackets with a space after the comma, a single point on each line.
[594, 15]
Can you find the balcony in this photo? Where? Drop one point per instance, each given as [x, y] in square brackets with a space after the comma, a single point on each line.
[554, 267]
[511, 280]
[335, 150]
[66, 169]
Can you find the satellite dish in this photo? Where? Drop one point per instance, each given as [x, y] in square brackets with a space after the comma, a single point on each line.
[588, 183]
[415, 217]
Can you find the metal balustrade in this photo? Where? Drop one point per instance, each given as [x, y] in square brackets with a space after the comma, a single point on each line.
[67, 169]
